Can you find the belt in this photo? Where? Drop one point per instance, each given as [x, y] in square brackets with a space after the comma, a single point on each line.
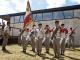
[58, 37]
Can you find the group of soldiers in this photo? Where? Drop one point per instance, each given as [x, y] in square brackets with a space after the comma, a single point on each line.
[39, 35]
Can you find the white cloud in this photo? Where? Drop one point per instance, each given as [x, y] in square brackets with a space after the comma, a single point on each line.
[55, 3]
[12, 6]
[4, 7]
[6, 10]
[76, 1]
[15, 6]
[20, 4]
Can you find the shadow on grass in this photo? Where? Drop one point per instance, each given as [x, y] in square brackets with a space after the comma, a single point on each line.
[50, 54]
[74, 49]
[6, 51]
[71, 49]
[61, 58]
[29, 54]
[77, 49]
[44, 57]
[73, 58]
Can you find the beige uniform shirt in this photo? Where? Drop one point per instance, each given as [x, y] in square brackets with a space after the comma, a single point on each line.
[6, 29]
[63, 34]
[58, 32]
[34, 32]
[40, 33]
[48, 34]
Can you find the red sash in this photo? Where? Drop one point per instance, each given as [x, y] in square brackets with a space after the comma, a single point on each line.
[62, 30]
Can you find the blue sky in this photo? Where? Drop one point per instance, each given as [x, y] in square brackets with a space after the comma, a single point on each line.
[15, 6]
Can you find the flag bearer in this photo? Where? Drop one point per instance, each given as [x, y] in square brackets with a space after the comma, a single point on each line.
[25, 38]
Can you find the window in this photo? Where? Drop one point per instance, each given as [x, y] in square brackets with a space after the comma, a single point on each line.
[17, 18]
[58, 15]
[47, 16]
[12, 20]
[77, 13]
[21, 18]
[39, 16]
[68, 14]
[34, 17]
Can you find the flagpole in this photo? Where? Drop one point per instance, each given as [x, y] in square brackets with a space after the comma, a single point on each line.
[31, 12]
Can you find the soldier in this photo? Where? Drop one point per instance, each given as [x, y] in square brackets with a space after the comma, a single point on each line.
[6, 36]
[33, 36]
[25, 38]
[19, 38]
[40, 36]
[63, 33]
[3, 25]
[71, 38]
[47, 38]
[56, 39]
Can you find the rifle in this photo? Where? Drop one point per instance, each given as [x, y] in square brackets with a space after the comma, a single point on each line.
[21, 32]
[54, 32]
[73, 31]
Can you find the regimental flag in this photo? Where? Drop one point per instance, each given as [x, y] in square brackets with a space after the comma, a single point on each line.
[27, 18]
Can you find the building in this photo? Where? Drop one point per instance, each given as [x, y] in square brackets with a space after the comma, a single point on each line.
[69, 15]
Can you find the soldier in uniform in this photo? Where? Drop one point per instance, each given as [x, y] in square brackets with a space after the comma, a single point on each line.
[56, 39]
[40, 36]
[33, 35]
[6, 36]
[20, 38]
[71, 38]
[47, 38]
[25, 38]
[63, 33]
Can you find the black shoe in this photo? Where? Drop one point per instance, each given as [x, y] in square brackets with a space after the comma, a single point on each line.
[55, 56]
[3, 49]
[47, 52]
[62, 54]
[58, 57]
[39, 54]
[24, 51]
[33, 50]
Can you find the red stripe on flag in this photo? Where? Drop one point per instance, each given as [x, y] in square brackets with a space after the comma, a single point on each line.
[27, 20]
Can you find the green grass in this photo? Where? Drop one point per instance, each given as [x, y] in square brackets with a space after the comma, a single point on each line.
[16, 54]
